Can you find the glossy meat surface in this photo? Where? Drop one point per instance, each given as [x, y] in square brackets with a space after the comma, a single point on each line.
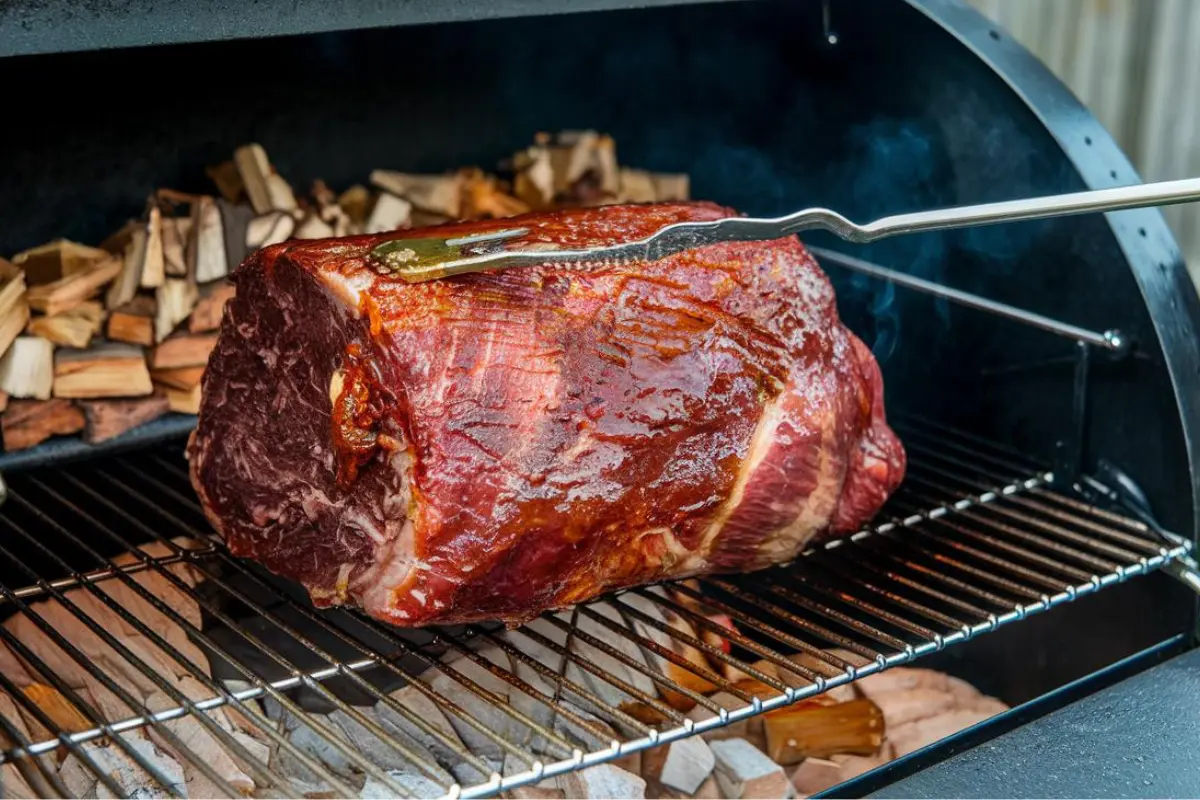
[493, 445]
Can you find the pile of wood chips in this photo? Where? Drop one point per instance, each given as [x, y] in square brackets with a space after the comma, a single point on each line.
[97, 340]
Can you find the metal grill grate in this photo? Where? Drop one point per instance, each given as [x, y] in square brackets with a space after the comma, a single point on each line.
[182, 663]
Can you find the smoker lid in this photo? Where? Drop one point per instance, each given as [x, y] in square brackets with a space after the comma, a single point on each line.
[30, 27]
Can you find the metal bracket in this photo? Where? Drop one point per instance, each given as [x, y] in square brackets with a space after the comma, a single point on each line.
[1120, 490]
[1068, 457]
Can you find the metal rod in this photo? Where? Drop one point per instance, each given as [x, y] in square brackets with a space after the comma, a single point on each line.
[1111, 340]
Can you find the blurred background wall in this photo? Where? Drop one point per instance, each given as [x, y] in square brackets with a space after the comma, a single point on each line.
[1136, 64]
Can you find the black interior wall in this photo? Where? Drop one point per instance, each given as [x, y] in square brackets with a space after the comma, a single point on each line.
[745, 97]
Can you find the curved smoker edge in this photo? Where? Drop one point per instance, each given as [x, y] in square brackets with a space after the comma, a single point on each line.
[1143, 236]
[64, 449]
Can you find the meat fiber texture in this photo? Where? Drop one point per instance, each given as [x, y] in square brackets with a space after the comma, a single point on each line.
[494, 445]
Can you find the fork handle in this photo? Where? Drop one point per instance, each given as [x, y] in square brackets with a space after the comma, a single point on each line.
[1142, 195]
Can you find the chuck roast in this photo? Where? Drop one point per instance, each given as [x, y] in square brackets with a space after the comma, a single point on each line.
[494, 445]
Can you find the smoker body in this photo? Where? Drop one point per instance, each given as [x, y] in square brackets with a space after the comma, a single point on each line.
[918, 104]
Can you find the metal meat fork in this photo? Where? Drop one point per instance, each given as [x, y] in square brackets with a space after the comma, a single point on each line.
[417, 260]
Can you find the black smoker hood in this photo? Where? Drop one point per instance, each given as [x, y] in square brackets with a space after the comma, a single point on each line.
[865, 106]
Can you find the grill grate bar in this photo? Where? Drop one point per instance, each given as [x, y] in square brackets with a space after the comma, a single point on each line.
[171, 691]
[322, 728]
[976, 539]
[186, 625]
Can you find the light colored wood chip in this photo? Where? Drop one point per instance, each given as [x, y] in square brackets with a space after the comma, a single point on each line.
[313, 227]
[12, 285]
[533, 183]
[206, 316]
[174, 302]
[270, 228]
[668, 187]
[814, 775]
[133, 323]
[602, 781]
[174, 246]
[70, 291]
[107, 419]
[72, 328]
[183, 401]
[265, 188]
[390, 213]
[635, 186]
[687, 765]
[27, 368]
[183, 350]
[183, 379]
[13, 322]
[743, 770]
[26, 423]
[57, 260]
[206, 253]
[483, 197]
[153, 265]
[110, 370]
[438, 194]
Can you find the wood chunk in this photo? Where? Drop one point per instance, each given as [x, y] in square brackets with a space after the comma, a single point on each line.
[635, 186]
[813, 775]
[206, 254]
[12, 322]
[153, 265]
[174, 245]
[268, 229]
[533, 182]
[265, 188]
[227, 180]
[606, 165]
[390, 213]
[130, 277]
[56, 260]
[743, 771]
[669, 187]
[356, 202]
[133, 323]
[12, 284]
[183, 401]
[106, 419]
[27, 369]
[438, 194]
[183, 350]
[313, 227]
[917, 734]
[70, 291]
[901, 706]
[26, 423]
[110, 370]
[206, 316]
[183, 379]
[813, 728]
[234, 222]
[601, 781]
[174, 302]
[73, 328]
[853, 766]
[687, 764]
[484, 198]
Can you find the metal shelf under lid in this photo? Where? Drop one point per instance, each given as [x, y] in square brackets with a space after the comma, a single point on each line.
[977, 538]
